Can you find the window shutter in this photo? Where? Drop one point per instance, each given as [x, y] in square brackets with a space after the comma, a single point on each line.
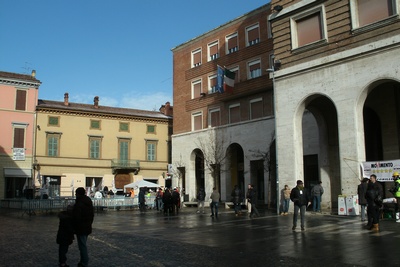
[309, 29]
[21, 100]
[370, 11]
[19, 136]
[196, 90]
[232, 42]
[254, 67]
[252, 34]
[196, 58]
[214, 49]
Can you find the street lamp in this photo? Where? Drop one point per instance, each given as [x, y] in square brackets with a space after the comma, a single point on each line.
[276, 66]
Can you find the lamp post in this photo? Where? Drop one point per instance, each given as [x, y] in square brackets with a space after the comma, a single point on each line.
[275, 66]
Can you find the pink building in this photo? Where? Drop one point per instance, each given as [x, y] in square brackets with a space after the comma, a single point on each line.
[18, 99]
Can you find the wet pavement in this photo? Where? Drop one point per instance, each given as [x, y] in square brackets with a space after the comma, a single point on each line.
[129, 238]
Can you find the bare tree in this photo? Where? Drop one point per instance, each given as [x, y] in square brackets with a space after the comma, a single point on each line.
[214, 154]
[266, 157]
[177, 170]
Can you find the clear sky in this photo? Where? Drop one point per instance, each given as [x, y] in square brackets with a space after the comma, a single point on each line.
[119, 50]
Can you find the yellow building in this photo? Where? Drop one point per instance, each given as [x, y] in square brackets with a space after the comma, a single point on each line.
[93, 146]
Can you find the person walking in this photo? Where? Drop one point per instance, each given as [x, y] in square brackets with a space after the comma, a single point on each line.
[201, 196]
[159, 197]
[215, 196]
[361, 190]
[65, 234]
[82, 219]
[374, 198]
[176, 201]
[253, 201]
[248, 203]
[396, 192]
[167, 200]
[142, 200]
[300, 198]
[285, 196]
[316, 193]
[237, 199]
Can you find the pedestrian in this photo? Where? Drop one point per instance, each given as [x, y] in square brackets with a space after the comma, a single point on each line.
[237, 199]
[316, 193]
[248, 203]
[167, 200]
[201, 196]
[253, 202]
[214, 202]
[374, 198]
[361, 190]
[300, 198]
[176, 201]
[159, 197]
[65, 234]
[83, 215]
[142, 200]
[396, 192]
[98, 194]
[285, 196]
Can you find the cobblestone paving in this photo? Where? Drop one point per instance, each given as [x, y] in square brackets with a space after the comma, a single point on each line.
[128, 238]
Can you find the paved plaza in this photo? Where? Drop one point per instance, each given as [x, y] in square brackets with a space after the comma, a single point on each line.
[128, 238]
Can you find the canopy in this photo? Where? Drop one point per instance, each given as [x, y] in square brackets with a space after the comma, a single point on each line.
[141, 183]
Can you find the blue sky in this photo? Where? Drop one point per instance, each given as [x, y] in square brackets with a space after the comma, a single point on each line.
[119, 50]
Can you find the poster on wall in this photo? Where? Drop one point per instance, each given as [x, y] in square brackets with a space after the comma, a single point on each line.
[382, 169]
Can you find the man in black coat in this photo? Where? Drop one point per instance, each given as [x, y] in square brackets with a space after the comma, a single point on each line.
[301, 199]
[83, 215]
[374, 190]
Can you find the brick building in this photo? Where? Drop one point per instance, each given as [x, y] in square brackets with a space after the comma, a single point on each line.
[340, 63]
[224, 139]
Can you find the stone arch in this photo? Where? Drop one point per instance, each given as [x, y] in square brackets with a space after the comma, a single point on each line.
[235, 163]
[197, 167]
[317, 151]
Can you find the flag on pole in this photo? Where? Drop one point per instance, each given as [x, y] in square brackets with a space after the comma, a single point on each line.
[229, 80]
[220, 79]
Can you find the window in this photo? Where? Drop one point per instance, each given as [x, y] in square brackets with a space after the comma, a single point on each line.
[366, 12]
[196, 89]
[53, 144]
[124, 126]
[151, 150]
[123, 148]
[20, 101]
[234, 113]
[308, 27]
[254, 68]
[256, 108]
[236, 71]
[214, 117]
[19, 138]
[53, 121]
[151, 129]
[95, 124]
[252, 35]
[196, 58]
[212, 84]
[231, 43]
[94, 147]
[197, 121]
[213, 51]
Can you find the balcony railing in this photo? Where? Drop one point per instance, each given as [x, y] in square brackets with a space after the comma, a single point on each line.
[125, 164]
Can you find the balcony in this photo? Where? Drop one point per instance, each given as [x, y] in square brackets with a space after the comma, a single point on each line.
[120, 164]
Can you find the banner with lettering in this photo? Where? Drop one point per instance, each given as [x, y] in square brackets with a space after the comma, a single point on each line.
[382, 169]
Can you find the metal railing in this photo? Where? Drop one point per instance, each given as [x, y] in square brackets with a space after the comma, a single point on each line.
[33, 206]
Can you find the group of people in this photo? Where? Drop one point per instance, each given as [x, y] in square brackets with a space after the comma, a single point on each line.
[201, 197]
[75, 221]
[168, 201]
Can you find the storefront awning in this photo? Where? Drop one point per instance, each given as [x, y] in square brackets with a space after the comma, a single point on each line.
[17, 172]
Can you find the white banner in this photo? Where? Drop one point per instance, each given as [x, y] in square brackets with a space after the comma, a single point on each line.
[382, 169]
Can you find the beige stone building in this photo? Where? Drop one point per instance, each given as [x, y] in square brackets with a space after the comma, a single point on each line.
[339, 63]
[95, 146]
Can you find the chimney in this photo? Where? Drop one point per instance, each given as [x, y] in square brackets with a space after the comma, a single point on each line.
[33, 74]
[167, 109]
[96, 102]
[66, 96]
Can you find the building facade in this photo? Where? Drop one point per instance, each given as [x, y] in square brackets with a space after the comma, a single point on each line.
[19, 95]
[93, 146]
[225, 139]
[339, 63]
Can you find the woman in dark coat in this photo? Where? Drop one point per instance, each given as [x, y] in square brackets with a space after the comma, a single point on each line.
[361, 190]
[65, 235]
